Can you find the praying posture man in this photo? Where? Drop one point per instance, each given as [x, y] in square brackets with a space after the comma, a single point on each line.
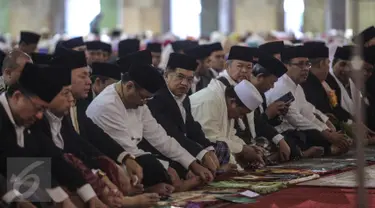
[301, 115]
[21, 106]
[121, 112]
[217, 106]
[171, 108]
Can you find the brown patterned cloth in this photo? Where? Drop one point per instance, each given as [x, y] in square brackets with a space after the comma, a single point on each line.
[111, 169]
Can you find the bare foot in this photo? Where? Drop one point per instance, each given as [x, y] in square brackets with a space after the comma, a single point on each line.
[186, 185]
[337, 151]
[144, 200]
[162, 189]
[313, 152]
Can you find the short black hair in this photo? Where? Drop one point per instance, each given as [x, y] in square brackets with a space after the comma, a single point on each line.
[260, 70]
[230, 93]
[102, 79]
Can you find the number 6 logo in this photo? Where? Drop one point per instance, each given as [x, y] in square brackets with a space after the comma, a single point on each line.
[22, 179]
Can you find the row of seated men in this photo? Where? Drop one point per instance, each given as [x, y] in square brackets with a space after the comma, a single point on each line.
[123, 134]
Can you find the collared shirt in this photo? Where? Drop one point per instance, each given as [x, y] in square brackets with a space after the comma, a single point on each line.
[179, 101]
[214, 73]
[129, 126]
[194, 84]
[74, 118]
[301, 113]
[276, 139]
[55, 124]
[19, 129]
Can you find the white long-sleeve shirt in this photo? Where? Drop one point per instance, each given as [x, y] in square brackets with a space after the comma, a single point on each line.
[129, 126]
[301, 113]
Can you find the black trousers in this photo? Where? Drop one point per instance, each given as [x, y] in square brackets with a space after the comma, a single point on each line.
[146, 146]
[153, 171]
[305, 139]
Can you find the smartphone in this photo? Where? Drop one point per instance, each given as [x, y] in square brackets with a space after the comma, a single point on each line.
[287, 98]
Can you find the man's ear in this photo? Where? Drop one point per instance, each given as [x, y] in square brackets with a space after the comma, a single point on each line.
[129, 85]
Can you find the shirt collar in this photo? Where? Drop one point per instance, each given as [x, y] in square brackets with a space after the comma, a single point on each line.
[52, 117]
[227, 76]
[4, 102]
[289, 81]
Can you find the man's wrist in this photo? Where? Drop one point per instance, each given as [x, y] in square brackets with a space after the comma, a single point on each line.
[127, 158]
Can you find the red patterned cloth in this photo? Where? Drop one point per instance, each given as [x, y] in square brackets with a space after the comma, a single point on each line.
[111, 169]
[315, 197]
[86, 172]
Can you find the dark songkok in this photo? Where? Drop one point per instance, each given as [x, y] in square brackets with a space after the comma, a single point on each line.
[2, 57]
[154, 47]
[41, 58]
[177, 60]
[293, 52]
[181, 45]
[272, 48]
[106, 47]
[242, 53]
[365, 35]
[147, 77]
[269, 65]
[200, 52]
[106, 70]
[316, 49]
[128, 46]
[46, 86]
[73, 43]
[369, 55]
[344, 53]
[215, 47]
[29, 37]
[94, 45]
[70, 58]
[137, 58]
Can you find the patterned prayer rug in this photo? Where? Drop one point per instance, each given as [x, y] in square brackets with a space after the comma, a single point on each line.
[346, 179]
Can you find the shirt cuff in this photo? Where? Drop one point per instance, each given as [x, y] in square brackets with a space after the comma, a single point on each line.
[276, 139]
[210, 148]
[235, 147]
[164, 163]
[121, 157]
[349, 122]
[11, 195]
[201, 155]
[57, 194]
[86, 192]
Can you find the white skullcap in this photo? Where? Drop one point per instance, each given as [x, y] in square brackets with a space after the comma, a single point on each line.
[248, 94]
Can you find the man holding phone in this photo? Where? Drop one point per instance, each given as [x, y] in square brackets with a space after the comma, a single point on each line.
[300, 121]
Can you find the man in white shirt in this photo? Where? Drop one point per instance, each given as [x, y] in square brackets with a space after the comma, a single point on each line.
[121, 112]
[56, 117]
[217, 106]
[301, 114]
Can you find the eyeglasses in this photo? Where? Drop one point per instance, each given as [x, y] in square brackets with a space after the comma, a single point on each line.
[181, 77]
[302, 65]
[144, 98]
